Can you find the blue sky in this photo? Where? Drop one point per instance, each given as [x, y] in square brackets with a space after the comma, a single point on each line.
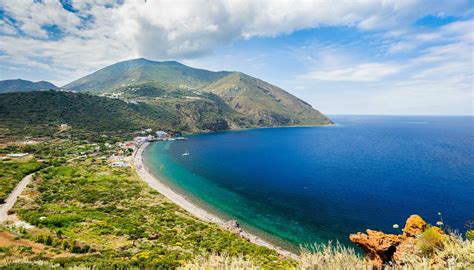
[351, 57]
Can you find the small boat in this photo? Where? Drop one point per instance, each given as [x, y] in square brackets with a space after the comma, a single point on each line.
[186, 153]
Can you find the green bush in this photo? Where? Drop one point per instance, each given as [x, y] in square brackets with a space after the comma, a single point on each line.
[431, 239]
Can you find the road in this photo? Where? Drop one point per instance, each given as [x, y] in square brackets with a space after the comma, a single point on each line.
[10, 201]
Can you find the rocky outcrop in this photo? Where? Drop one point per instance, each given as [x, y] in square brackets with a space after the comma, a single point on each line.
[381, 248]
[415, 226]
[378, 247]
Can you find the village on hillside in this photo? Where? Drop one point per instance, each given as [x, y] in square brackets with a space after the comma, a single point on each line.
[118, 154]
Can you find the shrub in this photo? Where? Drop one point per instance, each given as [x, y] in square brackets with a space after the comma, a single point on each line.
[25, 249]
[470, 235]
[431, 239]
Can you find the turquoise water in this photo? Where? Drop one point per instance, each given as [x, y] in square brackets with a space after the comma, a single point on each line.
[302, 185]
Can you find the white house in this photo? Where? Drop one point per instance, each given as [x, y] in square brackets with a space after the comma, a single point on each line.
[17, 154]
[119, 164]
[161, 135]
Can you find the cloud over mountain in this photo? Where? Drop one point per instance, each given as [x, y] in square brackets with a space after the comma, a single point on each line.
[64, 40]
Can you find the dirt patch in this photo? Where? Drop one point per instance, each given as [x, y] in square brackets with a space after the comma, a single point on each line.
[8, 239]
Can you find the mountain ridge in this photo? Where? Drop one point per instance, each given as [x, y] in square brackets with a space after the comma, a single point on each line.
[262, 103]
[20, 85]
[141, 69]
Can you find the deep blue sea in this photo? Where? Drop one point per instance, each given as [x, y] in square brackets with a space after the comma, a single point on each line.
[301, 185]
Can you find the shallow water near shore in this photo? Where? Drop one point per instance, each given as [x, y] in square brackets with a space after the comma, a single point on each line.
[297, 186]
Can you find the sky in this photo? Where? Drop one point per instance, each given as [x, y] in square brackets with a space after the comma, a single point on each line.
[343, 57]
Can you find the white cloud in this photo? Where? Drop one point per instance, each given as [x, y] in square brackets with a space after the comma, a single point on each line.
[184, 29]
[31, 17]
[367, 72]
[439, 78]
[401, 46]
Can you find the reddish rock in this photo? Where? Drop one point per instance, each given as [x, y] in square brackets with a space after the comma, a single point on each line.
[378, 246]
[381, 248]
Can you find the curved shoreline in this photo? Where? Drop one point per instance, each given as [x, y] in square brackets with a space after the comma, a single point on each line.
[195, 210]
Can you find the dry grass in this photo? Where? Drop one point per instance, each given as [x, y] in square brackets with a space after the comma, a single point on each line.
[220, 263]
[454, 253]
[320, 256]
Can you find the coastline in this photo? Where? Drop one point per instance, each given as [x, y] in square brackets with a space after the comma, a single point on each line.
[192, 208]
[251, 128]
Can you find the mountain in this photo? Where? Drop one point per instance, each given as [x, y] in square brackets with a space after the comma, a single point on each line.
[248, 101]
[140, 70]
[20, 85]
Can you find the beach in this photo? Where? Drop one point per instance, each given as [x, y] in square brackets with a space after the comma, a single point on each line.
[192, 208]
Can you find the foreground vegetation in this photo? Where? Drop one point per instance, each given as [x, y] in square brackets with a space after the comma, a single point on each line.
[456, 253]
[95, 215]
[12, 170]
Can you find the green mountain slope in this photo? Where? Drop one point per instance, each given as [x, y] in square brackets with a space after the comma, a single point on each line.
[139, 70]
[20, 85]
[41, 113]
[197, 110]
[253, 102]
[264, 103]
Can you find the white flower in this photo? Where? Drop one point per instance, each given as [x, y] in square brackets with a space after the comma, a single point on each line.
[395, 226]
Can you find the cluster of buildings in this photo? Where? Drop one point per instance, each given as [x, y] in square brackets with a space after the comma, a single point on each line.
[119, 96]
[162, 136]
[123, 160]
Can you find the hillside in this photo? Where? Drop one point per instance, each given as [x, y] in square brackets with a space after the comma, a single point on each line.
[23, 113]
[20, 85]
[253, 102]
[264, 103]
[41, 113]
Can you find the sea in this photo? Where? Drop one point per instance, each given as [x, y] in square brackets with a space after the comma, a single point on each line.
[297, 186]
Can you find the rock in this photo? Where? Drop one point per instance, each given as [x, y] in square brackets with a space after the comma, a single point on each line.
[154, 236]
[381, 248]
[378, 246]
[233, 225]
[415, 226]
[406, 246]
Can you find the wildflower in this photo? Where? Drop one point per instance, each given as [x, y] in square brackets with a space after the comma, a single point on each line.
[439, 213]
[395, 226]
[439, 223]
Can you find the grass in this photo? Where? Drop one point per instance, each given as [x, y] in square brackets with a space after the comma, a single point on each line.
[430, 240]
[12, 171]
